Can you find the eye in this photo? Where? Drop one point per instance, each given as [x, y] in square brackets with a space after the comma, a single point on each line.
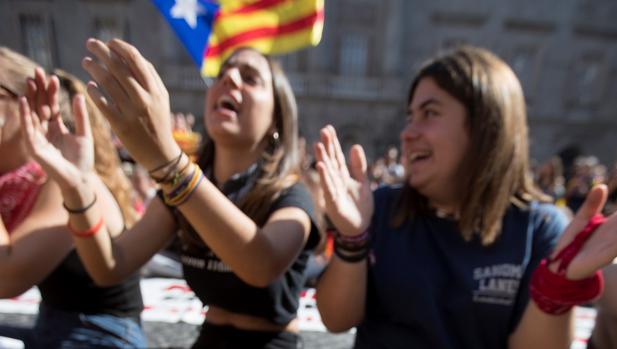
[250, 78]
[429, 113]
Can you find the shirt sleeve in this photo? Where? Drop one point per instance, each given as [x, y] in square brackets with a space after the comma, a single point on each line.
[547, 223]
[298, 196]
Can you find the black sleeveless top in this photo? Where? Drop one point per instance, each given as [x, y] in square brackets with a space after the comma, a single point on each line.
[215, 283]
[70, 288]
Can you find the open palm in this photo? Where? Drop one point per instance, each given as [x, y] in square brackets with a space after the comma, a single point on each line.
[601, 248]
[348, 197]
[65, 156]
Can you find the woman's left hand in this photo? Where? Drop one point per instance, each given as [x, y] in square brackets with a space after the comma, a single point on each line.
[136, 102]
[601, 248]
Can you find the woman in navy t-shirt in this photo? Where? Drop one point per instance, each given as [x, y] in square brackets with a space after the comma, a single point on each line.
[445, 260]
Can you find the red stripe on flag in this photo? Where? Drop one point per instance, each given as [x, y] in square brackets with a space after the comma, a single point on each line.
[264, 32]
[256, 6]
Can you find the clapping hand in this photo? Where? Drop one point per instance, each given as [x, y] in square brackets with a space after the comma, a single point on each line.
[349, 200]
[66, 157]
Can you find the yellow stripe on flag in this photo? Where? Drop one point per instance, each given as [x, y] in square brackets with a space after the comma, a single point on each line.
[278, 45]
[270, 26]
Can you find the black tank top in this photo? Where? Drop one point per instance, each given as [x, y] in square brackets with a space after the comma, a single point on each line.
[70, 288]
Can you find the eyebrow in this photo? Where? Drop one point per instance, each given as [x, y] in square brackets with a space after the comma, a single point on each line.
[243, 65]
[425, 104]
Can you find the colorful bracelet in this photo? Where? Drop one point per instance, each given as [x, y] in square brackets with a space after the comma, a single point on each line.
[172, 165]
[185, 189]
[88, 232]
[79, 210]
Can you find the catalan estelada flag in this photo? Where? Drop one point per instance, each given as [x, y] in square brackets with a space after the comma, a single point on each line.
[212, 30]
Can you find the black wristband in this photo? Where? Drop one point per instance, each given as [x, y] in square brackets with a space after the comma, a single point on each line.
[356, 256]
[79, 210]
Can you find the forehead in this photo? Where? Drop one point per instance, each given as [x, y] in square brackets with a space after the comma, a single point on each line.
[250, 58]
[428, 89]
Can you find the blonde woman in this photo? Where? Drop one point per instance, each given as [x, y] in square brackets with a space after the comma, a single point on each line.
[35, 245]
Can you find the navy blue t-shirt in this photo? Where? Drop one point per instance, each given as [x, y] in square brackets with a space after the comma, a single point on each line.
[429, 288]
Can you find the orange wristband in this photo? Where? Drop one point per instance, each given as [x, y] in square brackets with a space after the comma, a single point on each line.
[88, 232]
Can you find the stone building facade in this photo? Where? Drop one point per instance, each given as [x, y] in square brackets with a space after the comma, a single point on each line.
[564, 52]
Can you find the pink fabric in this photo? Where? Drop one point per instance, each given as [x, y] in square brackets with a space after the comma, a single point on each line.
[18, 192]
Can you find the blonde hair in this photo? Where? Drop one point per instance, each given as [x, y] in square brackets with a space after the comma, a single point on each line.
[497, 162]
[15, 69]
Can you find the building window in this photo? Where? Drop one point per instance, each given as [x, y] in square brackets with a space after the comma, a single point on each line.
[37, 39]
[109, 28]
[353, 55]
[587, 81]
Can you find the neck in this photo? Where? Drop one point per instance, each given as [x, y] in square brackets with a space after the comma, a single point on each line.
[447, 204]
[229, 161]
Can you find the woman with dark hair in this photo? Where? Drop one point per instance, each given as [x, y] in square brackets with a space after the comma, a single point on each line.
[451, 258]
[35, 247]
[244, 220]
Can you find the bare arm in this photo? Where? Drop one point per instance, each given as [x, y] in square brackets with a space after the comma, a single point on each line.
[542, 331]
[36, 247]
[341, 294]
[69, 161]
[110, 260]
[257, 256]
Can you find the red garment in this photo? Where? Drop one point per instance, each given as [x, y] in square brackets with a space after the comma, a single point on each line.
[18, 192]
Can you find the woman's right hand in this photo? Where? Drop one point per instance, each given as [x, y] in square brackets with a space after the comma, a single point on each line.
[348, 196]
[134, 100]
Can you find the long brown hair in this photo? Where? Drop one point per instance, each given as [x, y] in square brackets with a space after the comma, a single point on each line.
[280, 161]
[497, 162]
[106, 160]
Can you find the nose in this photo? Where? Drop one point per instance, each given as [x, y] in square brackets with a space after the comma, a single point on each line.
[232, 78]
[410, 131]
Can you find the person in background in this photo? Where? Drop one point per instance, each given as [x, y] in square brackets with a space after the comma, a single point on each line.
[36, 248]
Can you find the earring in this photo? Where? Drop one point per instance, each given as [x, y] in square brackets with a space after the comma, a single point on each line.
[274, 139]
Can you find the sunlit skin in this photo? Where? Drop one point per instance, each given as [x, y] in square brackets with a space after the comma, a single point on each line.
[240, 104]
[434, 143]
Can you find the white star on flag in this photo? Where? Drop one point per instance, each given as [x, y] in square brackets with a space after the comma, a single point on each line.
[188, 10]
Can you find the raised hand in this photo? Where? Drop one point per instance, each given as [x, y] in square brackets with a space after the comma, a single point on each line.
[132, 97]
[66, 157]
[349, 200]
[601, 248]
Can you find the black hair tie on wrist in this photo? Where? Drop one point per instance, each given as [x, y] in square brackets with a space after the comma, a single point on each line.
[79, 210]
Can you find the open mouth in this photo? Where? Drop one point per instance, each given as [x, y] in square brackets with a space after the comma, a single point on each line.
[418, 157]
[227, 103]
